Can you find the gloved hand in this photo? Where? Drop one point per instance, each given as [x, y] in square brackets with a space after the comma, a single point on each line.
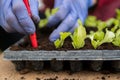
[14, 16]
[68, 14]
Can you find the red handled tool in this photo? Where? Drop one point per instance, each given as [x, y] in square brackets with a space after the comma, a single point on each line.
[32, 36]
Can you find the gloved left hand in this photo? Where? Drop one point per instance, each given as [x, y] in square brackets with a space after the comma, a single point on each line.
[14, 16]
[68, 14]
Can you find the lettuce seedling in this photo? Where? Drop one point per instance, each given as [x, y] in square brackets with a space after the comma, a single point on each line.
[43, 23]
[109, 36]
[99, 38]
[118, 14]
[48, 13]
[101, 25]
[110, 21]
[116, 40]
[91, 21]
[59, 42]
[116, 25]
[99, 35]
[78, 37]
[96, 38]
[54, 11]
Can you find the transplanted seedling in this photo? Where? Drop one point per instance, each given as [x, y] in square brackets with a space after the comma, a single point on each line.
[116, 25]
[118, 14]
[43, 23]
[110, 21]
[59, 42]
[99, 38]
[116, 40]
[96, 38]
[101, 25]
[91, 21]
[48, 13]
[109, 36]
[78, 37]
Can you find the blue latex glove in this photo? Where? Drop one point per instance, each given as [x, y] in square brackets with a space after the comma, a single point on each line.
[14, 16]
[69, 12]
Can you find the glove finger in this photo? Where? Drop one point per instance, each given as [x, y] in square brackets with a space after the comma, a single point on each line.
[23, 17]
[13, 23]
[58, 3]
[34, 10]
[65, 26]
[83, 14]
[74, 27]
[3, 17]
[59, 16]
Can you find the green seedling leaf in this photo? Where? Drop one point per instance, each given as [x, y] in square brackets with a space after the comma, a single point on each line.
[79, 36]
[43, 23]
[116, 40]
[116, 25]
[117, 34]
[118, 14]
[47, 13]
[110, 22]
[64, 35]
[101, 25]
[109, 37]
[91, 35]
[95, 44]
[59, 42]
[54, 11]
[91, 21]
[118, 11]
[99, 35]
[96, 38]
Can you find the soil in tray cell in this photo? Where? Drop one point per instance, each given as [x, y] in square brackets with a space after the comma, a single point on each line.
[45, 44]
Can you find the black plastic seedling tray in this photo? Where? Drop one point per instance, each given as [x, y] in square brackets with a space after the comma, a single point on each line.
[63, 55]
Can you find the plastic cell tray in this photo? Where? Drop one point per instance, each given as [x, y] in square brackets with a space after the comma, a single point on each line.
[63, 55]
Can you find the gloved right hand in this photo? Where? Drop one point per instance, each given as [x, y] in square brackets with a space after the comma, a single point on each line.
[14, 16]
